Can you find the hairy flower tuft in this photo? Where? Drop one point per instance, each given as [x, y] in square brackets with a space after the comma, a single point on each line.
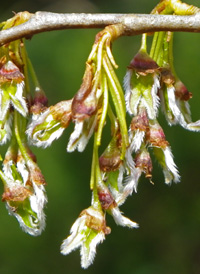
[87, 232]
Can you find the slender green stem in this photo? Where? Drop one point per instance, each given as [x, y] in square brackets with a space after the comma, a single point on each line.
[19, 138]
[100, 51]
[115, 82]
[158, 47]
[119, 107]
[113, 120]
[93, 53]
[25, 64]
[165, 62]
[144, 42]
[95, 176]
[104, 109]
[153, 46]
[171, 57]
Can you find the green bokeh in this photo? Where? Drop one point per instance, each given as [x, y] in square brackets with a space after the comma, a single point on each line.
[168, 240]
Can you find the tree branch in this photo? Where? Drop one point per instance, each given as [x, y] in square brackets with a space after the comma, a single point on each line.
[133, 23]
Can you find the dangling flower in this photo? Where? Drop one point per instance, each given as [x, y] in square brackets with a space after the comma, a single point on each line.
[114, 170]
[141, 84]
[138, 128]
[87, 232]
[11, 90]
[156, 138]
[11, 94]
[84, 112]
[109, 204]
[143, 163]
[24, 191]
[49, 125]
[168, 99]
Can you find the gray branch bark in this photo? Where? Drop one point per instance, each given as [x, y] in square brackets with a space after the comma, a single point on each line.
[133, 23]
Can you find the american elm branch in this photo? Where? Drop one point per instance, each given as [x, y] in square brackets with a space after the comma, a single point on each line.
[133, 23]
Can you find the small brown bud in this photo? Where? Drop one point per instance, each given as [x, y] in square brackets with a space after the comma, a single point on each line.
[156, 137]
[182, 92]
[40, 102]
[143, 63]
[9, 71]
[110, 160]
[140, 122]
[106, 199]
[143, 161]
[36, 175]
[167, 77]
[84, 103]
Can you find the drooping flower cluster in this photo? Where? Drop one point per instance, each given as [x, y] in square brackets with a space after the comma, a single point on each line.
[150, 83]
[24, 192]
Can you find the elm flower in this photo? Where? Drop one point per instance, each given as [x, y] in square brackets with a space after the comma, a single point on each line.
[24, 192]
[171, 100]
[49, 125]
[138, 127]
[11, 90]
[141, 84]
[114, 170]
[11, 94]
[155, 137]
[111, 205]
[87, 232]
[84, 112]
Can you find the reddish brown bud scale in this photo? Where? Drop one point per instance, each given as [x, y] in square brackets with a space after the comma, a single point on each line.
[167, 77]
[108, 164]
[110, 160]
[39, 103]
[106, 200]
[81, 107]
[16, 194]
[37, 108]
[182, 92]
[156, 137]
[62, 112]
[96, 223]
[140, 122]
[143, 161]
[143, 64]
[36, 175]
[10, 72]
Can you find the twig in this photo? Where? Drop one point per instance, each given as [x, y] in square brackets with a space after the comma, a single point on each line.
[133, 23]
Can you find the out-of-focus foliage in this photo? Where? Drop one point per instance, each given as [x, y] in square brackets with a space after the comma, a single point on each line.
[168, 240]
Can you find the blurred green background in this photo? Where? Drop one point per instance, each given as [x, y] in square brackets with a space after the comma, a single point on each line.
[168, 240]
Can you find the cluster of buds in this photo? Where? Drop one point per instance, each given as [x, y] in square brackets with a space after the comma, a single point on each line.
[150, 83]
